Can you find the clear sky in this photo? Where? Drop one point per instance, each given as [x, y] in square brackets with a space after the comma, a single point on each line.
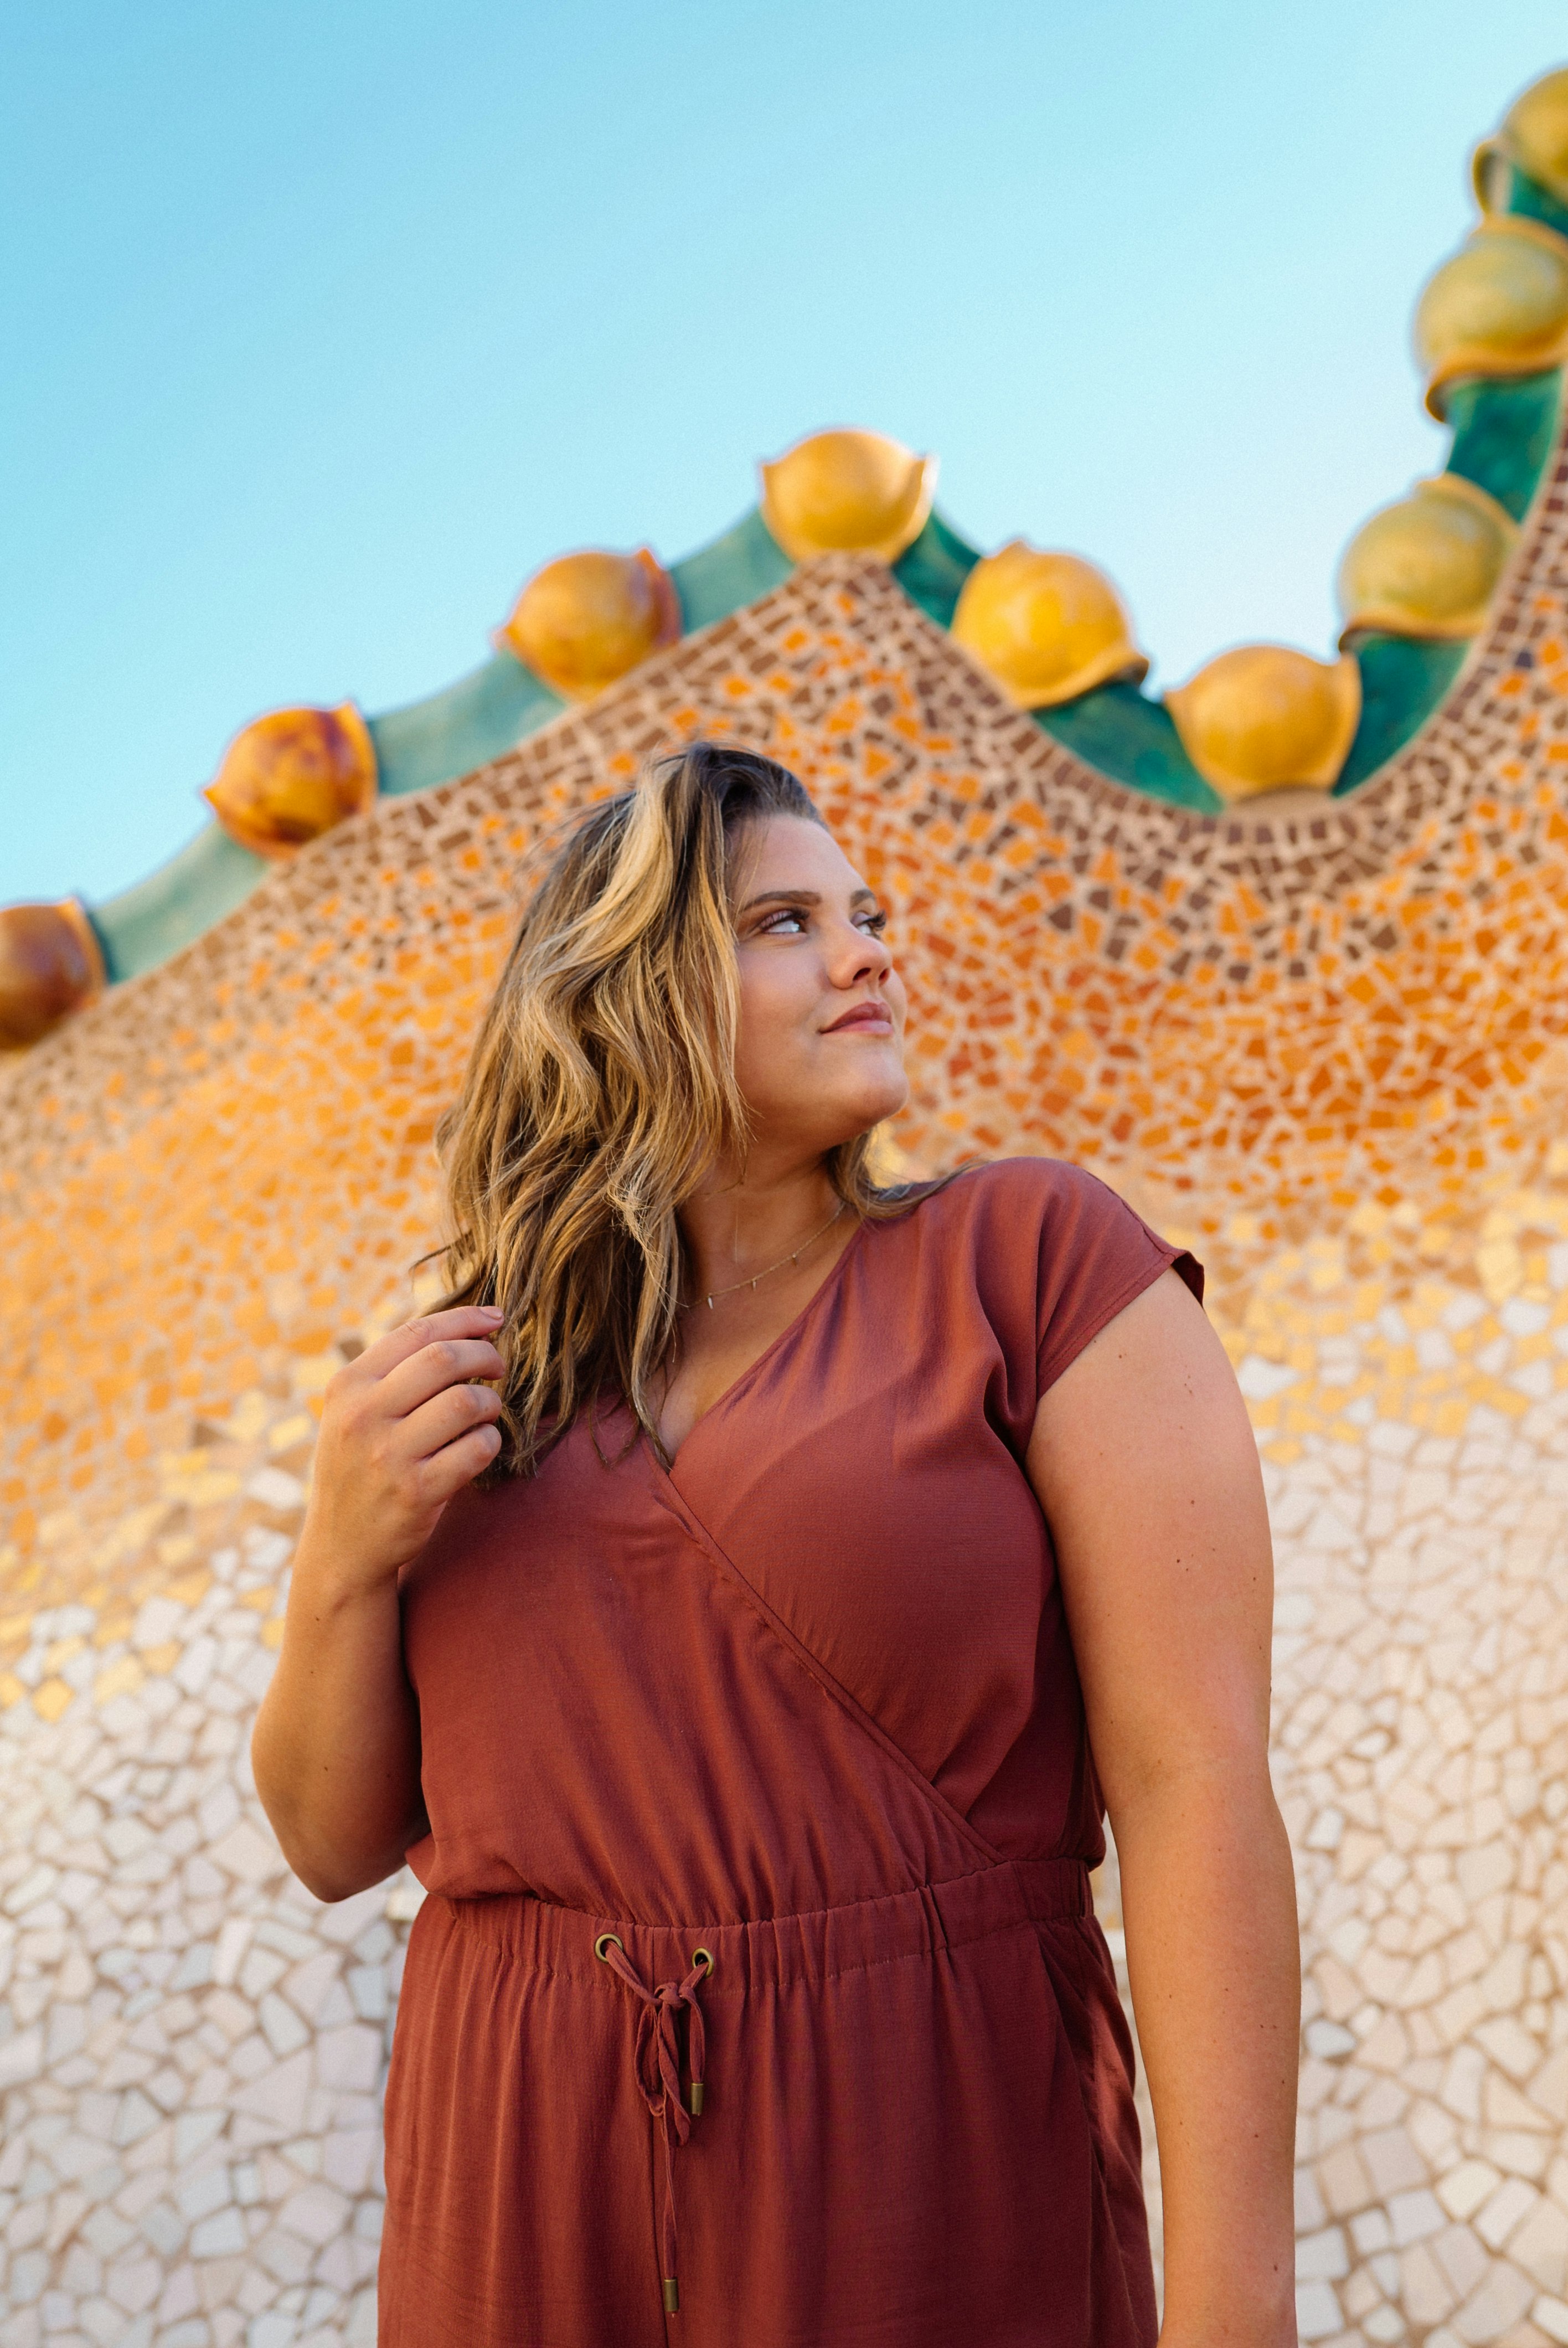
[326, 325]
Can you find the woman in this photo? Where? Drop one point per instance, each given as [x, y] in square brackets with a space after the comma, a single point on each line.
[719, 1603]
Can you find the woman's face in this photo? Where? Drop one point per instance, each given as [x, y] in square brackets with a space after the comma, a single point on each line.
[820, 1054]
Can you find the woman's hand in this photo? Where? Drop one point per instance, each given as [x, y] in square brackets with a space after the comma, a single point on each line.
[337, 1745]
[405, 1428]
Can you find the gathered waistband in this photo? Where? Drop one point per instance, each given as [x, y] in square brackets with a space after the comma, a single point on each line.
[665, 1975]
[811, 1947]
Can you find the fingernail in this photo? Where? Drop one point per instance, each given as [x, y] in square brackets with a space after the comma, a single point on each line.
[493, 1312]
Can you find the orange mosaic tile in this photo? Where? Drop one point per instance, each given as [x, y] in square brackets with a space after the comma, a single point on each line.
[1273, 1017]
[1325, 1041]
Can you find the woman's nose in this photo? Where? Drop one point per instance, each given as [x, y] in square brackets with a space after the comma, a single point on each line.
[862, 956]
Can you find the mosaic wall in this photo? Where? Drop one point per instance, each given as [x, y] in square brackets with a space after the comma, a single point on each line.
[1325, 1044]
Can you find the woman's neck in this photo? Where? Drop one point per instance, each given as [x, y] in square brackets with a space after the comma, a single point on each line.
[735, 1227]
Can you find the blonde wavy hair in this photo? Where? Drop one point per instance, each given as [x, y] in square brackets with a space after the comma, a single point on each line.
[601, 1090]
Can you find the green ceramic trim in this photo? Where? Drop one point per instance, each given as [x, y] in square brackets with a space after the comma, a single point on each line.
[1504, 433]
[428, 742]
[1403, 679]
[1503, 436]
[730, 573]
[200, 882]
[935, 568]
[464, 727]
[1529, 201]
[1117, 730]
[1122, 733]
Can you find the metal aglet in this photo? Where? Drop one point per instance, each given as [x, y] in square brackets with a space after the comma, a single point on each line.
[672, 2296]
[695, 2099]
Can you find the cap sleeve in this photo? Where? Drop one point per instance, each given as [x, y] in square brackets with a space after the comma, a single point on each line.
[1055, 1238]
[1095, 1257]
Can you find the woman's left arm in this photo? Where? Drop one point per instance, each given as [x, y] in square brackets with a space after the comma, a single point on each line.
[1146, 1468]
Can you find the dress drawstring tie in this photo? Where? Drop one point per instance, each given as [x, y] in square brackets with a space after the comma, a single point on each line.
[656, 2057]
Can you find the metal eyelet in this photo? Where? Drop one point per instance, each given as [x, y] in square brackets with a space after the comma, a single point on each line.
[702, 1957]
[608, 1941]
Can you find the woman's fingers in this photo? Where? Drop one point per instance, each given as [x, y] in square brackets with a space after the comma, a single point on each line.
[446, 1418]
[446, 1361]
[456, 1464]
[404, 1428]
[379, 1360]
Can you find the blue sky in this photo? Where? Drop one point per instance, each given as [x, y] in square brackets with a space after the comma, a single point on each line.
[326, 324]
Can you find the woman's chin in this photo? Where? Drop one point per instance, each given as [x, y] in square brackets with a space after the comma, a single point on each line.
[831, 1116]
[875, 1105]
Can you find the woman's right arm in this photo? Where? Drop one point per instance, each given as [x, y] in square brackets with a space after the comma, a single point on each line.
[336, 1744]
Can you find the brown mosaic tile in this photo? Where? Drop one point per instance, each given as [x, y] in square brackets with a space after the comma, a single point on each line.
[1325, 1041]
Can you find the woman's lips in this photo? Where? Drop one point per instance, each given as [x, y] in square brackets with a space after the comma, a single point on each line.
[873, 1015]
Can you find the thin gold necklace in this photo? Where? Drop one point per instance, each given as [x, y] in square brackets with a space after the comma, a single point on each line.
[773, 1267]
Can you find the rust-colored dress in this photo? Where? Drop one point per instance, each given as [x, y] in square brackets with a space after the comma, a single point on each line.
[798, 1725]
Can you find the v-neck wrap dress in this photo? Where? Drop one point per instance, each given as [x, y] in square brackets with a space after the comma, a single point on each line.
[758, 2000]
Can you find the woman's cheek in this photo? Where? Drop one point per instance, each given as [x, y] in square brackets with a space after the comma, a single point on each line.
[764, 1013]
[767, 1043]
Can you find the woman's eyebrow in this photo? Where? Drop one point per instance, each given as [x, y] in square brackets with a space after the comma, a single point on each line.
[782, 897]
[801, 897]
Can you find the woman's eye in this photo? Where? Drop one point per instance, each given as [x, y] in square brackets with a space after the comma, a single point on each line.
[790, 921]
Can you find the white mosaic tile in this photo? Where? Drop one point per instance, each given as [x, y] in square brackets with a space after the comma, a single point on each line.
[191, 2047]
